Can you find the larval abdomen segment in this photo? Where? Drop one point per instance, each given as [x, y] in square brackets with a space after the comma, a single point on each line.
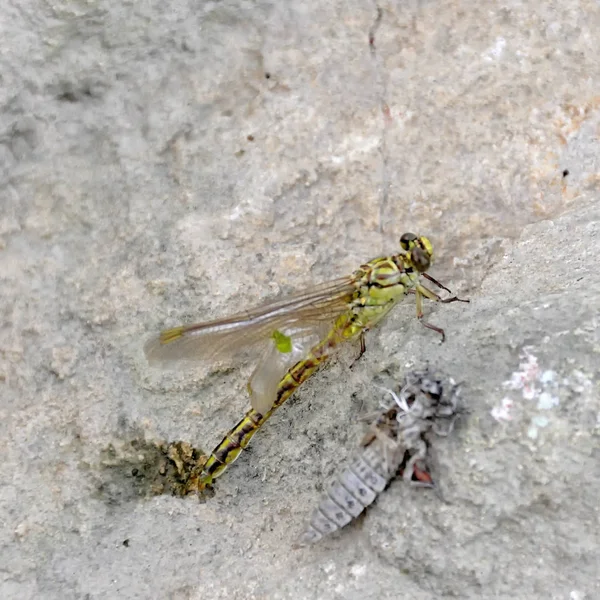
[357, 487]
[367, 474]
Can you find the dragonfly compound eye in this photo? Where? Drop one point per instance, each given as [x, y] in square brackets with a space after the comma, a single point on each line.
[420, 259]
[407, 241]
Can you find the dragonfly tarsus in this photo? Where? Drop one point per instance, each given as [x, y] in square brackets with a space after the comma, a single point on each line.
[432, 327]
[421, 291]
[453, 299]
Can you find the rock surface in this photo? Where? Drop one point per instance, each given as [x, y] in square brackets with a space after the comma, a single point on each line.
[166, 162]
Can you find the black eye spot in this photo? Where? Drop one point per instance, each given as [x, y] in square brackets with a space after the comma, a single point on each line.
[406, 240]
[267, 75]
[565, 172]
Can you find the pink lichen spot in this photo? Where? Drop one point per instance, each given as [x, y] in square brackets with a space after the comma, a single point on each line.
[526, 377]
[502, 412]
[529, 392]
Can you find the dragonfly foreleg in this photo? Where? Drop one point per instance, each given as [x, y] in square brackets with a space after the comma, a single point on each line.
[433, 296]
[370, 417]
[443, 287]
[436, 282]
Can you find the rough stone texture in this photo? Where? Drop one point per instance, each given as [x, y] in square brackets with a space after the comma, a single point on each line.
[172, 161]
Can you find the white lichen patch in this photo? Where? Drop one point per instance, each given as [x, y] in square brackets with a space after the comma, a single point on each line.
[495, 51]
[502, 412]
[542, 386]
[547, 401]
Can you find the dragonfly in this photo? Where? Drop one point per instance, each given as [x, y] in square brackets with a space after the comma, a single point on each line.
[428, 401]
[299, 333]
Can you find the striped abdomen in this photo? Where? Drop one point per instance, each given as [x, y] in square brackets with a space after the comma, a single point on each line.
[240, 435]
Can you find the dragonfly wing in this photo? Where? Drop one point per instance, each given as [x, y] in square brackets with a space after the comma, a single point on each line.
[274, 364]
[224, 337]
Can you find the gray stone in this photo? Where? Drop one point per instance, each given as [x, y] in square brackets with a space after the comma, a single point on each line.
[171, 161]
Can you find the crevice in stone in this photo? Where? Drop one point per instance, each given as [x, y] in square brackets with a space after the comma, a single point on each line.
[374, 28]
[380, 83]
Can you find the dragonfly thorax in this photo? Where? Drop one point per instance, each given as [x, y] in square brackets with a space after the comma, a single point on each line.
[381, 283]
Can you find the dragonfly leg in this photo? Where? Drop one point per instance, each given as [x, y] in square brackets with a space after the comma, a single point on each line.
[436, 282]
[369, 417]
[363, 348]
[433, 296]
[419, 293]
[443, 287]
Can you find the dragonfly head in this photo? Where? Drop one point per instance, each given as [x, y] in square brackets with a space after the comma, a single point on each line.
[419, 251]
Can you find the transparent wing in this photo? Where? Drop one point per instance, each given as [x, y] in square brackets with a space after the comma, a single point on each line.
[274, 364]
[224, 337]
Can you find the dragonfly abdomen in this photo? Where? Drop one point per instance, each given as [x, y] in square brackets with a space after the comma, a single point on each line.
[238, 438]
[232, 445]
